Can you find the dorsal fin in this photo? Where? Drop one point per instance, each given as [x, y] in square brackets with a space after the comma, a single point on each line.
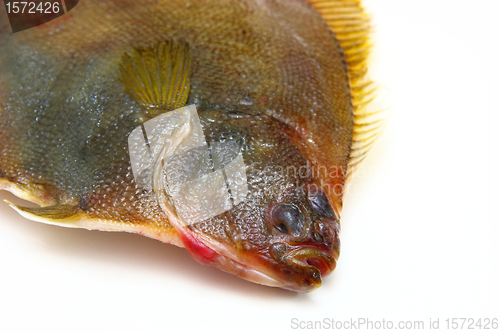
[62, 215]
[69, 216]
[351, 26]
[158, 76]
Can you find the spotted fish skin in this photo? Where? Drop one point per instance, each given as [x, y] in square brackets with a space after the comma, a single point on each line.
[269, 74]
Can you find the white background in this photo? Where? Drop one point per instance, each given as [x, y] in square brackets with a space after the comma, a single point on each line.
[420, 224]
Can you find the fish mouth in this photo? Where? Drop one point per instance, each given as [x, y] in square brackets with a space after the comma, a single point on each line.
[296, 267]
[311, 258]
[309, 261]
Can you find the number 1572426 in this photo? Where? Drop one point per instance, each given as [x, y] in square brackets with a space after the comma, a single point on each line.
[32, 7]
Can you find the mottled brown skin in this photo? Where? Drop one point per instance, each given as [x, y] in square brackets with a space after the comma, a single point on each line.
[268, 74]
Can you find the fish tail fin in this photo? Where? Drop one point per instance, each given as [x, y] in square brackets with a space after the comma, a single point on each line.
[352, 28]
[158, 76]
[61, 215]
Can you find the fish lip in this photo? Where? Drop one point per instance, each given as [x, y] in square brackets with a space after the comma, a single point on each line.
[302, 265]
[314, 257]
[310, 261]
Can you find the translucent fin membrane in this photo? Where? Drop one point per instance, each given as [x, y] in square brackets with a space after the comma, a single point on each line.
[352, 28]
[170, 156]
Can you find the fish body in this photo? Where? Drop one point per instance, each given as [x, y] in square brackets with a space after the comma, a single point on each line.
[274, 77]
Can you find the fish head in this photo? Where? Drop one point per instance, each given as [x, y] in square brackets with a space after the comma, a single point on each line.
[283, 232]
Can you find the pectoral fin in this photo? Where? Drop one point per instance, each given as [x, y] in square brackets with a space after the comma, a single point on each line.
[158, 76]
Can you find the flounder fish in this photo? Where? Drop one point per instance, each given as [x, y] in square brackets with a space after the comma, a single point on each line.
[228, 127]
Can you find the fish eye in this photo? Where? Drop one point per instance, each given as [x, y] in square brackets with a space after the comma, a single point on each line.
[288, 219]
[319, 202]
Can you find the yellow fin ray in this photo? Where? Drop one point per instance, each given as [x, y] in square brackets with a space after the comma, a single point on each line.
[61, 215]
[351, 26]
[158, 76]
